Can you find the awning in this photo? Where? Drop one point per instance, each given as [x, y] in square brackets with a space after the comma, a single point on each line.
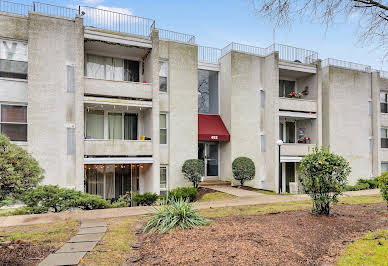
[211, 127]
[117, 160]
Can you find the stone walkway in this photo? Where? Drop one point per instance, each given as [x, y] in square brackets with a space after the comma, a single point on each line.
[75, 249]
[136, 211]
[238, 192]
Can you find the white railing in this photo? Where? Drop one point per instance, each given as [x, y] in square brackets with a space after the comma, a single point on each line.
[346, 64]
[176, 36]
[15, 8]
[208, 54]
[383, 74]
[249, 49]
[54, 10]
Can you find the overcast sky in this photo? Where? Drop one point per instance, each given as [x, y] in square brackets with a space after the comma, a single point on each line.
[218, 22]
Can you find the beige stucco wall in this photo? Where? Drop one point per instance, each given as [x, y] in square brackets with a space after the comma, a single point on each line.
[346, 122]
[53, 44]
[13, 26]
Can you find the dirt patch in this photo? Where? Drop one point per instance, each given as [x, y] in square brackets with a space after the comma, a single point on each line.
[288, 238]
[22, 253]
[203, 191]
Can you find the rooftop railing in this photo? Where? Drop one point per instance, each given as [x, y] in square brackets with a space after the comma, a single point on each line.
[15, 8]
[176, 36]
[383, 74]
[249, 49]
[294, 54]
[208, 54]
[54, 10]
[117, 22]
[346, 64]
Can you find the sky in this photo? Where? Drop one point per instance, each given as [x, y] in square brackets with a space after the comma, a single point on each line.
[217, 23]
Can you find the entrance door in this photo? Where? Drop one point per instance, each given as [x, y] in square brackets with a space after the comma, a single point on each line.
[290, 175]
[208, 152]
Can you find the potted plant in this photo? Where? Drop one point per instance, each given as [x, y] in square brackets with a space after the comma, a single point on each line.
[294, 94]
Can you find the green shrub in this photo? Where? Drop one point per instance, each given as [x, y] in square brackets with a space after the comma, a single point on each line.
[185, 193]
[383, 185]
[123, 201]
[372, 183]
[146, 199]
[357, 187]
[243, 169]
[19, 171]
[193, 170]
[50, 198]
[323, 176]
[175, 213]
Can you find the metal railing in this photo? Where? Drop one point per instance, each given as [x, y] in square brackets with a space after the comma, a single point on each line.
[293, 54]
[208, 54]
[54, 10]
[346, 64]
[15, 8]
[176, 36]
[249, 49]
[383, 74]
[114, 21]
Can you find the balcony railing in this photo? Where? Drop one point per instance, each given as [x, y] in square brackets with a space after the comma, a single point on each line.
[15, 8]
[249, 49]
[176, 36]
[208, 54]
[346, 64]
[54, 10]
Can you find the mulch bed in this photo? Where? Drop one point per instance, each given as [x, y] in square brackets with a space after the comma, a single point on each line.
[285, 238]
[22, 253]
[203, 191]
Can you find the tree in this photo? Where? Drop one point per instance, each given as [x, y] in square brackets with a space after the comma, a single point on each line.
[243, 169]
[372, 16]
[193, 170]
[323, 176]
[19, 171]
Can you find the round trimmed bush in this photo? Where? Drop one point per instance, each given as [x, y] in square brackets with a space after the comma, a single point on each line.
[383, 185]
[243, 169]
[193, 170]
[185, 193]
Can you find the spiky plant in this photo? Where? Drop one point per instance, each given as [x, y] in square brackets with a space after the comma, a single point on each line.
[175, 212]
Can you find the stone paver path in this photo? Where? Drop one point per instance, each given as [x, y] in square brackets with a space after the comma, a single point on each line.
[238, 192]
[76, 248]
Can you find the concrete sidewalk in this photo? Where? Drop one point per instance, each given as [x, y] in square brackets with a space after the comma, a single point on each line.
[142, 210]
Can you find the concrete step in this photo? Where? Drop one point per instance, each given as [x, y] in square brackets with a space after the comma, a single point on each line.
[214, 182]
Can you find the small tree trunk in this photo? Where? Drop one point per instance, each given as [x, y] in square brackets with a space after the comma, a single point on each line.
[242, 182]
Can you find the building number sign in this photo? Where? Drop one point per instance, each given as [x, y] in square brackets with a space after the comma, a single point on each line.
[214, 137]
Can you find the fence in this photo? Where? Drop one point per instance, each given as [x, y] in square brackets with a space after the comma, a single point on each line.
[54, 10]
[208, 54]
[176, 36]
[294, 54]
[15, 8]
[249, 49]
[114, 21]
[346, 64]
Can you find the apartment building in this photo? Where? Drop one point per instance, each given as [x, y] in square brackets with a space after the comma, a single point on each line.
[108, 103]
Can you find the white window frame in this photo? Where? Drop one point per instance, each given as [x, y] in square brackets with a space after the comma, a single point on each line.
[15, 123]
[166, 128]
[165, 167]
[168, 71]
[386, 102]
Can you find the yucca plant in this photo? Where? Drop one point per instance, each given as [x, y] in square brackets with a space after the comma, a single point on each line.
[175, 212]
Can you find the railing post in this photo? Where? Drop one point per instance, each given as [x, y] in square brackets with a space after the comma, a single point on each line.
[33, 6]
[79, 10]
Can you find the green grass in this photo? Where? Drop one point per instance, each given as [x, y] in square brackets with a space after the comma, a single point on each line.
[41, 234]
[270, 192]
[216, 196]
[282, 206]
[115, 245]
[371, 249]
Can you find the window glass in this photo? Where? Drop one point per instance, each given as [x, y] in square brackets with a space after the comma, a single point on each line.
[95, 66]
[290, 132]
[384, 137]
[384, 167]
[383, 102]
[115, 126]
[95, 124]
[163, 76]
[131, 70]
[163, 128]
[14, 122]
[207, 92]
[130, 126]
[163, 177]
[286, 87]
[13, 59]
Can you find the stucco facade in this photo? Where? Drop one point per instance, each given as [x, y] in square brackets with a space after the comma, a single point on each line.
[104, 107]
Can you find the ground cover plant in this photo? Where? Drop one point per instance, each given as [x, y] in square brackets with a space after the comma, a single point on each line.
[323, 176]
[243, 169]
[174, 213]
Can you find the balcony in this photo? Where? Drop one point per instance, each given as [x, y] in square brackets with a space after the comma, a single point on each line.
[118, 147]
[115, 88]
[296, 149]
[297, 105]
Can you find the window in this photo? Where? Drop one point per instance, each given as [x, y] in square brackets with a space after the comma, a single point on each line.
[207, 92]
[163, 76]
[163, 128]
[13, 59]
[286, 87]
[383, 102]
[290, 132]
[14, 122]
[384, 137]
[262, 143]
[95, 124]
[115, 124]
[384, 167]
[109, 68]
[262, 98]
[130, 126]
[163, 178]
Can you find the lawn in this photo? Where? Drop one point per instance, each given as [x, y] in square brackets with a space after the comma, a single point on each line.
[371, 249]
[216, 196]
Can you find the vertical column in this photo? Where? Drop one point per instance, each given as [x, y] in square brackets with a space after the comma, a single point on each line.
[319, 104]
[375, 122]
[155, 112]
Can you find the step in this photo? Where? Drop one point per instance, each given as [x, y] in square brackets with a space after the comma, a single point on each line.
[207, 183]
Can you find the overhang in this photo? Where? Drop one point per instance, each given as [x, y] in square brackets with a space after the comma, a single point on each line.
[290, 159]
[117, 160]
[212, 128]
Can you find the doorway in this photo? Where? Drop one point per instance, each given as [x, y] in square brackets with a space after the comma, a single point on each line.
[208, 152]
